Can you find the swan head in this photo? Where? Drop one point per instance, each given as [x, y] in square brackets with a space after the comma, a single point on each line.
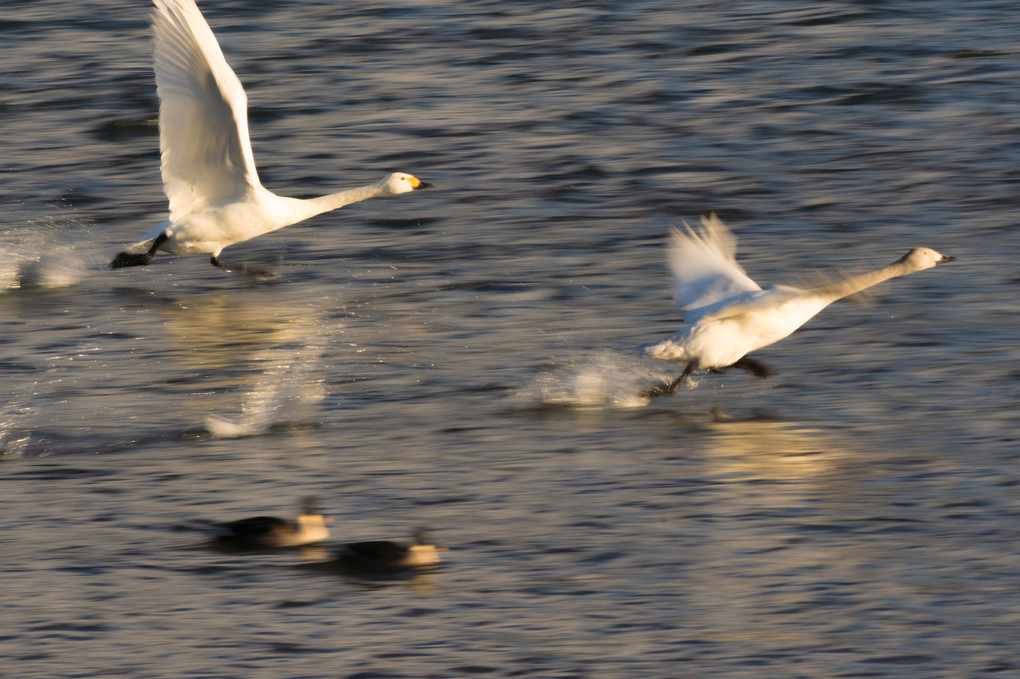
[919, 259]
[401, 182]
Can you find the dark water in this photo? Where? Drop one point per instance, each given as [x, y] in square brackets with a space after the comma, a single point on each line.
[461, 358]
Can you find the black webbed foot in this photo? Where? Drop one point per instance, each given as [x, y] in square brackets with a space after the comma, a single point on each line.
[752, 366]
[125, 259]
[672, 387]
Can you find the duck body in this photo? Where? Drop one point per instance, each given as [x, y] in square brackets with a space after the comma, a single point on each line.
[385, 556]
[270, 532]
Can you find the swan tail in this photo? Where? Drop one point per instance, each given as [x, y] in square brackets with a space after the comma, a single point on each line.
[664, 350]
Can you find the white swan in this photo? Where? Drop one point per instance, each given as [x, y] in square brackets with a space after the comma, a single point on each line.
[208, 169]
[729, 315]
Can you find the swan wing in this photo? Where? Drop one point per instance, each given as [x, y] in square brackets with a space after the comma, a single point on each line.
[752, 302]
[704, 265]
[203, 118]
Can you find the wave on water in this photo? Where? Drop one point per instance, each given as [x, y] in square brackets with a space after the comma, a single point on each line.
[594, 379]
[14, 440]
[285, 394]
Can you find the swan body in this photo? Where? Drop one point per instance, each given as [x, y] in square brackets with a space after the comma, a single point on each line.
[747, 323]
[383, 556]
[209, 174]
[268, 532]
[729, 315]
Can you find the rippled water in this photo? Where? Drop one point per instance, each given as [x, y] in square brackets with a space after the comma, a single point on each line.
[461, 358]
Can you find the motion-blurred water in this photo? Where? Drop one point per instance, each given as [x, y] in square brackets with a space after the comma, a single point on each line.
[461, 358]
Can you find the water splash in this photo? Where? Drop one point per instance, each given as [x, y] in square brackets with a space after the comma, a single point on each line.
[594, 379]
[286, 393]
[46, 253]
[51, 271]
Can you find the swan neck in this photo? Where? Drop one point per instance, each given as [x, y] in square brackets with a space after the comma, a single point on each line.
[310, 207]
[849, 286]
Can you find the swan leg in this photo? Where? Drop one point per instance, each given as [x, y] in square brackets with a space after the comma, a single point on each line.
[672, 387]
[259, 273]
[753, 366]
[124, 259]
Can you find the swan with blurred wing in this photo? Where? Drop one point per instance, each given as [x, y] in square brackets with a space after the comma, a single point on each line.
[728, 315]
[209, 176]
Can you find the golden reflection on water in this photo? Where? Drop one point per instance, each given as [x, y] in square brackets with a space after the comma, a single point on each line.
[780, 544]
[271, 351]
[768, 449]
[225, 329]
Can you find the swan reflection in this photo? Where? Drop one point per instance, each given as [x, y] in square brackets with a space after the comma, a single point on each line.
[271, 352]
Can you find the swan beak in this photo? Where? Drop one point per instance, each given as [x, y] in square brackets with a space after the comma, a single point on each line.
[424, 185]
[945, 258]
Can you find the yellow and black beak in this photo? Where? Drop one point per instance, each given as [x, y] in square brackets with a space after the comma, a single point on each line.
[419, 184]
